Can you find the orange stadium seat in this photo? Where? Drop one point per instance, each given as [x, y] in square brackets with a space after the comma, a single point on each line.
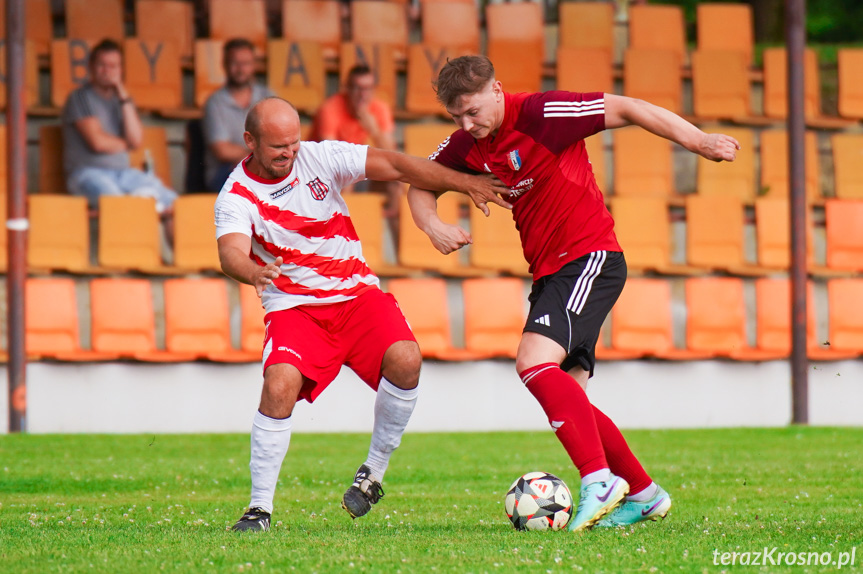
[374, 22]
[4, 245]
[31, 75]
[166, 21]
[725, 26]
[153, 74]
[850, 69]
[39, 28]
[844, 234]
[515, 22]
[51, 319]
[52, 179]
[295, 72]
[129, 234]
[68, 68]
[848, 165]
[451, 24]
[646, 246]
[316, 21]
[194, 232]
[736, 178]
[643, 329]
[584, 70]
[642, 164]
[197, 320]
[846, 315]
[595, 147]
[94, 20]
[239, 19]
[654, 76]
[252, 328]
[155, 145]
[587, 26]
[773, 233]
[123, 320]
[715, 233]
[494, 315]
[381, 58]
[59, 235]
[426, 308]
[366, 211]
[657, 27]
[774, 164]
[423, 139]
[424, 64]
[517, 65]
[209, 74]
[496, 244]
[720, 85]
[776, 84]
[3, 171]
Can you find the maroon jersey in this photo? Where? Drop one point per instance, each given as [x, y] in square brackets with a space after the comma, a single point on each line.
[539, 153]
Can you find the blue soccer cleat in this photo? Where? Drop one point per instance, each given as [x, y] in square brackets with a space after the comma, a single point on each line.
[597, 500]
[631, 512]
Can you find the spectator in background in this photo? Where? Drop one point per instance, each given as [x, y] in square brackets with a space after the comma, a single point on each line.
[356, 116]
[100, 127]
[225, 112]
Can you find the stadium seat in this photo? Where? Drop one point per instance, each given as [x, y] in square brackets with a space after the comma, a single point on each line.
[381, 58]
[152, 73]
[774, 164]
[94, 20]
[716, 319]
[194, 233]
[736, 178]
[642, 325]
[595, 147]
[725, 26]
[844, 234]
[153, 148]
[494, 315]
[209, 74]
[776, 84]
[3, 171]
[4, 239]
[38, 24]
[380, 23]
[197, 320]
[517, 65]
[239, 19]
[252, 328]
[425, 306]
[846, 315]
[642, 164]
[584, 70]
[52, 178]
[423, 139]
[586, 26]
[715, 235]
[166, 21]
[424, 64]
[496, 244]
[123, 322]
[606, 353]
[51, 319]
[720, 85]
[773, 233]
[59, 237]
[68, 68]
[848, 165]
[850, 70]
[366, 210]
[452, 25]
[657, 27]
[129, 235]
[654, 76]
[295, 72]
[316, 21]
[31, 75]
[519, 22]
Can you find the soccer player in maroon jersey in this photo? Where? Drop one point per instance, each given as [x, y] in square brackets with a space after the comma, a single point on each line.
[534, 144]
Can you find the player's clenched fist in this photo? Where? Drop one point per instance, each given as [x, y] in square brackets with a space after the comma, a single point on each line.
[719, 147]
[448, 238]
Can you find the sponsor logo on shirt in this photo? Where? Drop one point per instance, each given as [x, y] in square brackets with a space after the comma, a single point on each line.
[521, 187]
[279, 193]
[319, 189]
[514, 160]
[440, 147]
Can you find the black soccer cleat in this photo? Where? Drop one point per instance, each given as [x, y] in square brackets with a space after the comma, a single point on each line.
[365, 491]
[254, 519]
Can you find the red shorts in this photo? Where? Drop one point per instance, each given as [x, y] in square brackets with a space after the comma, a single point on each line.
[319, 339]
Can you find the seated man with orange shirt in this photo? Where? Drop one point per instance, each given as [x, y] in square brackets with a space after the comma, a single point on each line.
[356, 116]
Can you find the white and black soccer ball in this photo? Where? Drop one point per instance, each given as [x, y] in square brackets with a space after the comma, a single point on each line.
[538, 501]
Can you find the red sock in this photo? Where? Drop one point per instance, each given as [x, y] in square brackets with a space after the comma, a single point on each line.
[570, 414]
[620, 458]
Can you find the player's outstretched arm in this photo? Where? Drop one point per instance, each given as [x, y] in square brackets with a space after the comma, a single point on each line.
[445, 237]
[234, 251]
[623, 111]
[385, 165]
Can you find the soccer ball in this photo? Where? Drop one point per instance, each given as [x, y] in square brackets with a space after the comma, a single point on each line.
[538, 501]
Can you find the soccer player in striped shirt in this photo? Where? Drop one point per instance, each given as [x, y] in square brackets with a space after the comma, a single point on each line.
[534, 144]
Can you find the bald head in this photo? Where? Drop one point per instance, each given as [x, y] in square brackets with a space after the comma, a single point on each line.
[273, 136]
[276, 112]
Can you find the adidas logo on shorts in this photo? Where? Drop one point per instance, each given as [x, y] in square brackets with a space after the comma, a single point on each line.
[544, 320]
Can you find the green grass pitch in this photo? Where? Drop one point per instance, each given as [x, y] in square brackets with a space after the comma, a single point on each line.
[163, 503]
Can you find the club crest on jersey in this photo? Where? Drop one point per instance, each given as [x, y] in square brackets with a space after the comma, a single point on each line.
[286, 189]
[514, 160]
[319, 189]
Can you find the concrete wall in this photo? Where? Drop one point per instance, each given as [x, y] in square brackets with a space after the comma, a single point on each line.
[473, 396]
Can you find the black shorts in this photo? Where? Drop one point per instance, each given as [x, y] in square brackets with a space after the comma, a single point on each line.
[570, 305]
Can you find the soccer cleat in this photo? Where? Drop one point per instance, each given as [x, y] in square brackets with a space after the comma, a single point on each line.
[598, 499]
[254, 519]
[631, 512]
[365, 491]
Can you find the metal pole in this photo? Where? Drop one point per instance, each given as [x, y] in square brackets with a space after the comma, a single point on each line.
[16, 223]
[795, 34]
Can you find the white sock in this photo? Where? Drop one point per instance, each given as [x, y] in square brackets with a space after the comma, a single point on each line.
[644, 495]
[270, 441]
[393, 408]
[601, 475]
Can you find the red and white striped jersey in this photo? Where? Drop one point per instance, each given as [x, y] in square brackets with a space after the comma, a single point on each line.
[302, 218]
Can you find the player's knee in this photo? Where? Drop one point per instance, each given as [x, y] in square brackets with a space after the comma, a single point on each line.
[282, 385]
[402, 363]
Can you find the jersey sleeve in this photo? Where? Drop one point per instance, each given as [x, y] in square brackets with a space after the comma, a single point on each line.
[233, 215]
[78, 107]
[346, 161]
[558, 119]
[453, 152]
